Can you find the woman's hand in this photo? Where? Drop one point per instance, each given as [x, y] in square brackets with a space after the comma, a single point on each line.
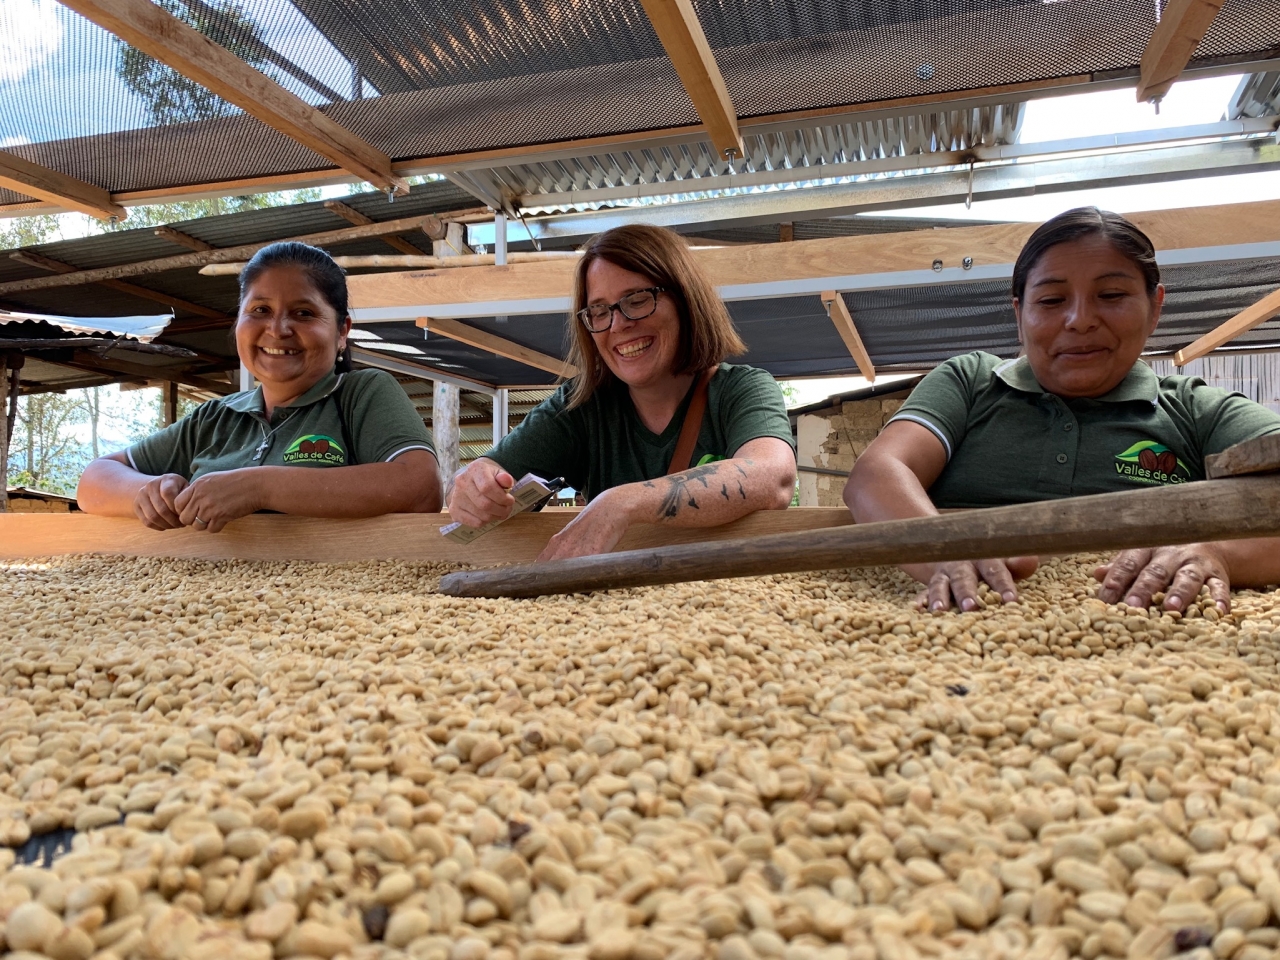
[481, 494]
[156, 502]
[597, 529]
[1180, 571]
[216, 499]
[958, 580]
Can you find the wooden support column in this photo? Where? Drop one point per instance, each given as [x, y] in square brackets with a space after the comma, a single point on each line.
[843, 321]
[4, 432]
[169, 393]
[446, 397]
[444, 429]
[1245, 320]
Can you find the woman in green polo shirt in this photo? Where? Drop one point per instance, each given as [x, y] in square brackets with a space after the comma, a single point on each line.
[259, 450]
[649, 339]
[1077, 413]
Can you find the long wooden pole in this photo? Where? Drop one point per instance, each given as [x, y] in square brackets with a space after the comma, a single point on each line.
[430, 225]
[1207, 510]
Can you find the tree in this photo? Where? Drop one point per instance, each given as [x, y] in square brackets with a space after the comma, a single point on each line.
[28, 231]
[161, 214]
[172, 98]
[47, 454]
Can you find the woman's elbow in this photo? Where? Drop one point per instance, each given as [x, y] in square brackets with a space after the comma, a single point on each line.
[784, 493]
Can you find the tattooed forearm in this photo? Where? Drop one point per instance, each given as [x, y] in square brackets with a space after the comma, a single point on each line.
[679, 494]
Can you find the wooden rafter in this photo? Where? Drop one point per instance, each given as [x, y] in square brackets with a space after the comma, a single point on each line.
[352, 215]
[431, 226]
[1242, 322]
[676, 24]
[182, 239]
[33, 180]
[41, 262]
[473, 337]
[1182, 26]
[159, 34]
[843, 321]
[84, 360]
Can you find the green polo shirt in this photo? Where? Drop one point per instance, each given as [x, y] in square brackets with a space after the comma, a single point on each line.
[1008, 440]
[604, 443]
[377, 423]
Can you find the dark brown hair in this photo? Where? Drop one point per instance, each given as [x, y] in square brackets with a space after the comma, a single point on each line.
[707, 335]
[1127, 239]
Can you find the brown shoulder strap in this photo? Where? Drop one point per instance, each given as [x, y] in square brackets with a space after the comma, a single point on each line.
[692, 425]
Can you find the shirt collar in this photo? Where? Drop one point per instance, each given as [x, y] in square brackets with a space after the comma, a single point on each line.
[1140, 383]
[250, 401]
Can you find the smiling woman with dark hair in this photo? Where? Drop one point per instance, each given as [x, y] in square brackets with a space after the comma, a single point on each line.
[260, 450]
[1077, 413]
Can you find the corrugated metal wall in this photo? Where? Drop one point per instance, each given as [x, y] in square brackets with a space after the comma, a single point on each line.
[1256, 375]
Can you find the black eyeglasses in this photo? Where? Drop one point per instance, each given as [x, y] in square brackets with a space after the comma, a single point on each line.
[634, 306]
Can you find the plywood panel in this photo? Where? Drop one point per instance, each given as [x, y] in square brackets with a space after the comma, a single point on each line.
[413, 537]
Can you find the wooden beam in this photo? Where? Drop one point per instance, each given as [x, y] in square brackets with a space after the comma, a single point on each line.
[1182, 26]
[352, 215]
[429, 225]
[500, 346]
[1184, 228]
[403, 536]
[676, 24]
[42, 262]
[159, 34]
[1245, 320]
[838, 310]
[33, 180]
[169, 393]
[84, 360]
[182, 239]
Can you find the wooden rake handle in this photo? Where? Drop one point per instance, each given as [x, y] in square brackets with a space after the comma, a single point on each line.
[1207, 510]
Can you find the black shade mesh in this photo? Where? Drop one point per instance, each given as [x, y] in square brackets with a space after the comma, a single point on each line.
[426, 79]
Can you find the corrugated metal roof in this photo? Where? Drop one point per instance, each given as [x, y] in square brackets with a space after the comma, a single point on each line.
[145, 329]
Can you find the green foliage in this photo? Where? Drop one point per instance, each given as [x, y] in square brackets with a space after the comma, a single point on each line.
[27, 231]
[45, 452]
[160, 214]
[790, 392]
[171, 97]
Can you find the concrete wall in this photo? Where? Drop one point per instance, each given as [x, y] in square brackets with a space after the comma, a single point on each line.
[834, 439]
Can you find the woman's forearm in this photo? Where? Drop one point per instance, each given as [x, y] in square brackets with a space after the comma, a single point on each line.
[108, 488]
[707, 496]
[408, 484]
[884, 488]
[1252, 563]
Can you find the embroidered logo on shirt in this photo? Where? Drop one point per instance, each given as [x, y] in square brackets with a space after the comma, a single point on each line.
[315, 448]
[1151, 463]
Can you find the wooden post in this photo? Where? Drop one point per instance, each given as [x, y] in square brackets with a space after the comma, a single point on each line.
[4, 433]
[169, 392]
[444, 429]
[446, 396]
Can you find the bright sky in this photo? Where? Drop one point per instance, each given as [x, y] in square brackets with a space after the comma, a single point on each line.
[1116, 111]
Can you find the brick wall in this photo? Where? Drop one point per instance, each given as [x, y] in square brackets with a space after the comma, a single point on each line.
[834, 440]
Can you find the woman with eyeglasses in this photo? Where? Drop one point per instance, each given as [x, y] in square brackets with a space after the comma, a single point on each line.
[650, 337]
